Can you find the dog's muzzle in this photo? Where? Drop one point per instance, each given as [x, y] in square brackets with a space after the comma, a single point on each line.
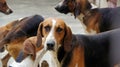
[9, 11]
[50, 45]
[62, 9]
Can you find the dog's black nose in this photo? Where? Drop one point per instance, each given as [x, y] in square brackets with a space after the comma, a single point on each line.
[57, 7]
[50, 45]
[62, 9]
[9, 11]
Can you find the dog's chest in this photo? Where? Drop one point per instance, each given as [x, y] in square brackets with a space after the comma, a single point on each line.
[49, 60]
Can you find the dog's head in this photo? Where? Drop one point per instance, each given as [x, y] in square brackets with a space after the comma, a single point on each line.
[4, 7]
[55, 33]
[73, 6]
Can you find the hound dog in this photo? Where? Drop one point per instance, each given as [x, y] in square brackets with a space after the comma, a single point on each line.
[4, 7]
[27, 27]
[56, 34]
[100, 50]
[49, 30]
[94, 19]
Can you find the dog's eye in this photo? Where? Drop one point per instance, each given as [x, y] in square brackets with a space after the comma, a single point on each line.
[47, 28]
[59, 29]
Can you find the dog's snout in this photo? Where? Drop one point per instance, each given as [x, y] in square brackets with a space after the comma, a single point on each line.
[50, 45]
[62, 9]
[9, 11]
[57, 7]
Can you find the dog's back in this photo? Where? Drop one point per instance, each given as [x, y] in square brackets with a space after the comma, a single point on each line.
[101, 50]
[110, 18]
[26, 27]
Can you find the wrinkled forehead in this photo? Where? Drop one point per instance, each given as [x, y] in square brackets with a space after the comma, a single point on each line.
[54, 21]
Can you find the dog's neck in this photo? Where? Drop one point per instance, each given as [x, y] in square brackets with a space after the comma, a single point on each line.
[90, 20]
[92, 25]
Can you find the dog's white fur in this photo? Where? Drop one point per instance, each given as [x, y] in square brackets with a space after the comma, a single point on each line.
[27, 62]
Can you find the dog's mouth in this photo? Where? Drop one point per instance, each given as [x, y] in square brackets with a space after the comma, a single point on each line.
[50, 48]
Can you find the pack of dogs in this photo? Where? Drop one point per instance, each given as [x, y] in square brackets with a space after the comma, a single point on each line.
[35, 41]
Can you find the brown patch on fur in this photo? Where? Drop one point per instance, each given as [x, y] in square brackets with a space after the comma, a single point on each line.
[77, 57]
[5, 29]
[81, 6]
[14, 47]
[92, 22]
[5, 60]
[39, 35]
[44, 64]
[67, 39]
[30, 48]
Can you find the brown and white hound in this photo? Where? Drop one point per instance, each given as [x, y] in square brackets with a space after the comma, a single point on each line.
[50, 31]
[4, 7]
[56, 34]
[94, 19]
[23, 29]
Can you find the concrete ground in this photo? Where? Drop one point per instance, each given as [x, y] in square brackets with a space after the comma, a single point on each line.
[23, 8]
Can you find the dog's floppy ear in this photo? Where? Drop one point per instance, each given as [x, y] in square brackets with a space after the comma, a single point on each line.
[29, 48]
[81, 6]
[67, 39]
[77, 9]
[39, 35]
